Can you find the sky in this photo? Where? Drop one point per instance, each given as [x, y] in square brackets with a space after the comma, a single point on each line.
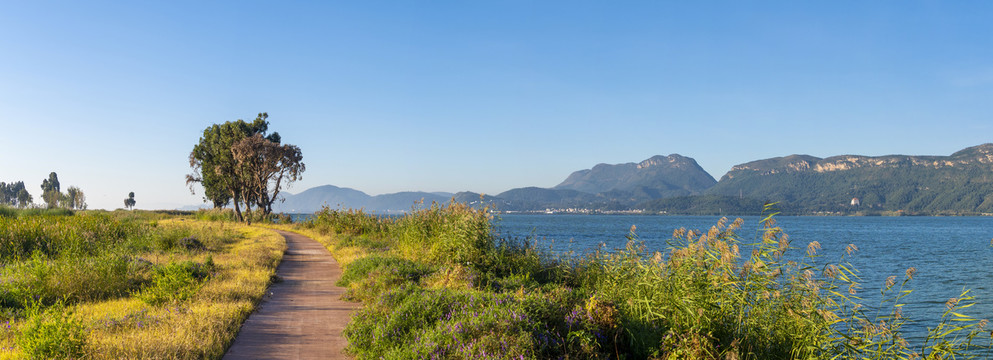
[479, 96]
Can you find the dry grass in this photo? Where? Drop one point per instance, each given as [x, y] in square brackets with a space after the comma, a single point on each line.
[245, 260]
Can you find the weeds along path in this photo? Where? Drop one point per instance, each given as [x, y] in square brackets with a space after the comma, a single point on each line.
[303, 315]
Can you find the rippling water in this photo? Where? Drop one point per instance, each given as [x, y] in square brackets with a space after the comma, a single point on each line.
[950, 253]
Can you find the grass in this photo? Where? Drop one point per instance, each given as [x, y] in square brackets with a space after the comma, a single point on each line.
[436, 284]
[129, 284]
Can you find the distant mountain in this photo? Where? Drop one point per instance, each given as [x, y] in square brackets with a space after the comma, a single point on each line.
[657, 177]
[959, 183]
[403, 201]
[535, 198]
[313, 199]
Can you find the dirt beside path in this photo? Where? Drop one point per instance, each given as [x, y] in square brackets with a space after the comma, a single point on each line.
[303, 316]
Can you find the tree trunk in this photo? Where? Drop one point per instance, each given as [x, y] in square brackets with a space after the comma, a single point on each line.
[237, 210]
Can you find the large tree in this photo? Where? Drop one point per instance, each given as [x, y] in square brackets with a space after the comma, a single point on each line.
[226, 179]
[265, 167]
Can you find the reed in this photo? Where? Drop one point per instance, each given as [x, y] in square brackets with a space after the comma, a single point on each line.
[436, 284]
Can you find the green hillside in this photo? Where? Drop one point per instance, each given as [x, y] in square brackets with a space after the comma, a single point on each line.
[961, 183]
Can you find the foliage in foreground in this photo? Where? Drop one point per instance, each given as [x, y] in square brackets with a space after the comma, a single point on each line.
[128, 285]
[439, 286]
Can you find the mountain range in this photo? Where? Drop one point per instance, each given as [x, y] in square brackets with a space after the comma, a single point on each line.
[961, 183]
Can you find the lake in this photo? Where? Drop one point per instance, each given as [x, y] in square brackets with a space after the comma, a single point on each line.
[950, 253]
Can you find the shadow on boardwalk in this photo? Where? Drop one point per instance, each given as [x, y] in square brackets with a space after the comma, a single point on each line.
[303, 316]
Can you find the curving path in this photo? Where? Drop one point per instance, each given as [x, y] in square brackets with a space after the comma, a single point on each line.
[303, 315]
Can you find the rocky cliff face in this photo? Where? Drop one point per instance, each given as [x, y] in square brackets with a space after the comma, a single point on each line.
[962, 181]
[982, 154]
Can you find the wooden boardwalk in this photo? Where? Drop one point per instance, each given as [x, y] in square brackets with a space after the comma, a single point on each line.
[303, 315]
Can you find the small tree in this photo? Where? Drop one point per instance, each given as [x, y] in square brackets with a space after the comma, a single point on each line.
[51, 190]
[75, 198]
[129, 202]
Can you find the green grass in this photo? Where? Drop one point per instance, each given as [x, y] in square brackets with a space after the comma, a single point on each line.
[435, 283]
[128, 284]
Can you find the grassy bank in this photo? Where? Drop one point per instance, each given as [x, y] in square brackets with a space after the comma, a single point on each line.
[436, 284]
[128, 284]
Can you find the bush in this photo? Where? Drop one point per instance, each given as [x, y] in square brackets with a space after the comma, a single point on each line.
[51, 333]
[350, 222]
[215, 215]
[176, 282]
[444, 234]
[81, 235]
[371, 275]
[71, 279]
[7, 212]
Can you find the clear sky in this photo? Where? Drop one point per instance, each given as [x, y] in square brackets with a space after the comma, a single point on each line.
[480, 96]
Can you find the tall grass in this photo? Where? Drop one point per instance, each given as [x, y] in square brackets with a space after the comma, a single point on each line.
[51, 235]
[128, 284]
[436, 284]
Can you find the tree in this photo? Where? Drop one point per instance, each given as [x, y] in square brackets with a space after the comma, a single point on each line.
[23, 198]
[75, 198]
[265, 167]
[129, 201]
[9, 193]
[51, 190]
[225, 179]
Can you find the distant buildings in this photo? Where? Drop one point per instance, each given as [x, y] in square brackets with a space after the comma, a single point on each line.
[856, 202]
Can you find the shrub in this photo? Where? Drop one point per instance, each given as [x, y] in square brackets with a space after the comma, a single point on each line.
[444, 234]
[71, 279]
[81, 235]
[215, 215]
[51, 333]
[176, 282]
[8, 212]
[371, 275]
[351, 222]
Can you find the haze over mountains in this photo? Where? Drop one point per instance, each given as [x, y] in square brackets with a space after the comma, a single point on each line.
[802, 184]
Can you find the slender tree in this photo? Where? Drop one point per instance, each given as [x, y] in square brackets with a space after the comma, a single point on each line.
[9, 192]
[51, 190]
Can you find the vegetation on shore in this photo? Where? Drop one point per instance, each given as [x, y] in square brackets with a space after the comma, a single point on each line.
[436, 284]
[127, 284]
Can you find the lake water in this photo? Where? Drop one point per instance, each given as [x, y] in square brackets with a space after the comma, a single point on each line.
[950, 253]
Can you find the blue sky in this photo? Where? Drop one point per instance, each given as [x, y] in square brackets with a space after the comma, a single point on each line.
[451, 96]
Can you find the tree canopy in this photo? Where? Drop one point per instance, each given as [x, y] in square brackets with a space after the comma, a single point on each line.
[10, 194]
[239, 162]
[129, 201]
[51, 190]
